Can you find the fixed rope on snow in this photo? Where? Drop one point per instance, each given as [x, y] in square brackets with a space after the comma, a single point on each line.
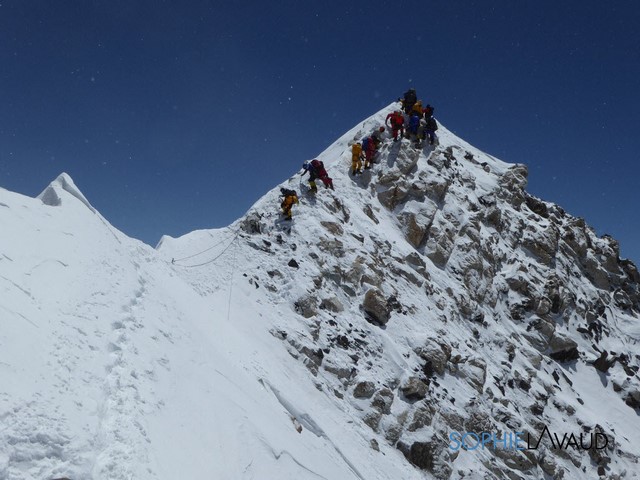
[233, 240]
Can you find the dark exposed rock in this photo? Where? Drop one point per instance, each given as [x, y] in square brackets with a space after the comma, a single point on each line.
[600, 455]
[540, 332]
[603, 363]
[422, 455]
[475, 373]
[364, 390]
[340, 371]
[415, 261]
[514, 459]
[537, 409]
[437, 354]
[537, 206]
[251, 223]
[358, 237]
[524, 384]
[376, 307]
[332, 304]
[622, 300]
[398, 271]
[633, 399]
[293, 264]
[306, 306]
[333, 227]
[542, 243]
[393, 196]
[477, 421]
[422, 417]
[544, 306]
[372, 419]
[334, 247]
[414, 389]
[393, 433]
[426, 456]
[563, 349]
[313, 358]
[493, 217]
[436, 187]
[390, 178]
[343, 341]
[515, 178]
[598, 275]
[369, 213]
[439, 244]
[383, 400]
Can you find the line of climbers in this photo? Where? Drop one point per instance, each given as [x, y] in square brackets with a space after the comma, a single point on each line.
[365, 151]
[416, 124]
[419, 121]
[315, 169]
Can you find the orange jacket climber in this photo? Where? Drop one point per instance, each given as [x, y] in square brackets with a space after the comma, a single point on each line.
[356, 158]
[290, 199]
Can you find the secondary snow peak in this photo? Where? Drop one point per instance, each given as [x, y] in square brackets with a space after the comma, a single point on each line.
[63, 185]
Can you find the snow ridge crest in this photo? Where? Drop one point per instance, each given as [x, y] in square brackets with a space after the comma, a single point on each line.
[53, 194]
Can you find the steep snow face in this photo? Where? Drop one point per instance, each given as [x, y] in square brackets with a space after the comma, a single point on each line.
[434, 295]
[113, 367]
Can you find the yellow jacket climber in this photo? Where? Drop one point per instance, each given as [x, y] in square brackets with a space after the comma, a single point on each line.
[290, 199]
[356, 158]
[417, 107]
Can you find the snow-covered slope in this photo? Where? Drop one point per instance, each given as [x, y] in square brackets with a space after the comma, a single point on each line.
[112, 367]
[428, 296]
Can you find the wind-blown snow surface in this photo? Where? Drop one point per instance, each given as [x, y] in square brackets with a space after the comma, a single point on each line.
[113, 367]
[248, 355]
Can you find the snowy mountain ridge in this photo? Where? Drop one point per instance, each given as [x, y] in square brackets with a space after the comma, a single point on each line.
[428, 296]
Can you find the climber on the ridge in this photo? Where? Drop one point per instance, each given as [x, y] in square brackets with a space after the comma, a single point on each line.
[356, 158]
[430, 130]
[397, 123]
[412, 128]
[376, 136]
[427, 111]
[417, 108]
[316, 170]
[290, 198]
[369, 148]
[409, 99]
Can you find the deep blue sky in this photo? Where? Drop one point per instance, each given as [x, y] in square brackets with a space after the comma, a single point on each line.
[172, 116]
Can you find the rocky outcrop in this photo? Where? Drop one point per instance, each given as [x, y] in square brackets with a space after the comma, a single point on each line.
[307, 306]
[416, 225]
[440, 243]
[382, 401]
[364, 390]
[393, 196]
[497, 285]
[563, 348]
[376, 307]
[435, 354]
[332, 304]
[414, 389]
[474, 372]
